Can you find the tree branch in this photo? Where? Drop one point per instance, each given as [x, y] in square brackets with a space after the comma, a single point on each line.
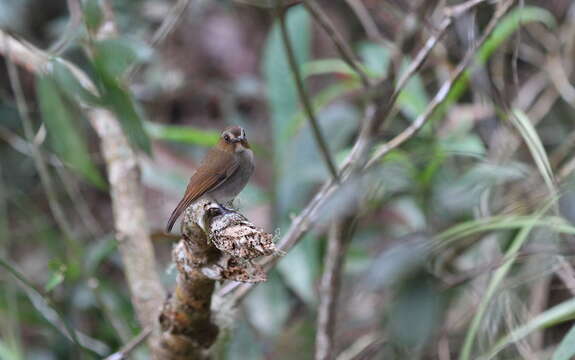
[217, 244]
[345, 52]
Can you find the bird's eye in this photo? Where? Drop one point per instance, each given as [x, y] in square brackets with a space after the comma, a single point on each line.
[227, 138]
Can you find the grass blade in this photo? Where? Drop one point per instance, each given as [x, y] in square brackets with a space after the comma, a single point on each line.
[522, 123]
[556, 315]
[495, 282]
[500, 223]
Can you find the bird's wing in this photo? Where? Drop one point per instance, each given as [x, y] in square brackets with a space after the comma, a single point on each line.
[210, 174]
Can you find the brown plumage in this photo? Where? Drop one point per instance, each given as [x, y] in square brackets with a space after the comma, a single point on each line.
[222, 174]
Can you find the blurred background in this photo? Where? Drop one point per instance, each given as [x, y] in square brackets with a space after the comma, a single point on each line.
[466, 234]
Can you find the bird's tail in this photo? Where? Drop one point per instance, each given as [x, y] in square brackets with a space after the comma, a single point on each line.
[183, 205]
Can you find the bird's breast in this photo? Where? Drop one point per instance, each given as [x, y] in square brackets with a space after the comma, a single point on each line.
[235, 183]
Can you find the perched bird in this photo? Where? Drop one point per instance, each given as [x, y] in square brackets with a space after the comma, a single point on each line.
[222, 174]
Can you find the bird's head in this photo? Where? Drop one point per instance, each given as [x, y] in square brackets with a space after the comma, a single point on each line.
[234, 139]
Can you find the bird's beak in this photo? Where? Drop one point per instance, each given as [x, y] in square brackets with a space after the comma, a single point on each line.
[239, 139]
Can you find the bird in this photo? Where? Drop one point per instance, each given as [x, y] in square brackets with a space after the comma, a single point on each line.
[223, 173]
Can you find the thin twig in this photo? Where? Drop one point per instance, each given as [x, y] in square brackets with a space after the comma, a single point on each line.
[170, 22]
[130, 345]
[71, 32]
[367, 21]
[345, 52]
[442, 94]
[304, 97]
[366, 347]
[338, 240]
[305, 220]
[566, 274]
[457, 10]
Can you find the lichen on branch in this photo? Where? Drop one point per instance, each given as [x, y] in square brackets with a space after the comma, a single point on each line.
[217, 244]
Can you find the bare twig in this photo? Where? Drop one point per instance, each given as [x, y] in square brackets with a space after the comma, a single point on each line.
[71, 32]
[338, 240]
[303, 95]
[130, 346]
[560, 79]
[170, 22]
[345, 52]
[366, 347]
[374, 114]
[566, 274]
[443, 92]
[457, 10]
[367, 21]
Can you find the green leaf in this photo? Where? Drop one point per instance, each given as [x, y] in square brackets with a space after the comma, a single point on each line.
[413, 99]
[181, 134]
[120, 101]
[324, 98]
[65, 137]
[70, 86]
[111, 59]
[566, 349]
[375, 57]
[268, 306]
[243, 344]
[551, 317]
[114, 56]
[97, 252]
[93, 15]
[331, 66]
[418, 301]
[281, 89]
[495, 282]
[516, 18]
[467, 145]
[9, 352]
[300, 267]
[55, 279]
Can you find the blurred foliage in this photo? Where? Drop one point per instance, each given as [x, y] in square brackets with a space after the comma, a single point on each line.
[461, 229]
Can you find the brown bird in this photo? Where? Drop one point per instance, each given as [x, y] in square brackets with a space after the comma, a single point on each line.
[222, 174]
